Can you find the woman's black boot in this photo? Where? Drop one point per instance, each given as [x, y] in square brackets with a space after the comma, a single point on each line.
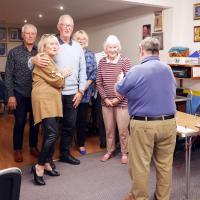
[38, 179]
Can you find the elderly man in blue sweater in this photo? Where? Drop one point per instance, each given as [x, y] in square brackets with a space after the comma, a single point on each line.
[150, 88]
[70, 57]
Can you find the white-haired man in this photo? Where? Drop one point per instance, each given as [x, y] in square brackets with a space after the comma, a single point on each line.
[70, 56]
[18, 80]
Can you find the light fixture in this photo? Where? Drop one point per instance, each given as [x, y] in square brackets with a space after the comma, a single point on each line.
[40, 15]
[61, 7]
[25, 21]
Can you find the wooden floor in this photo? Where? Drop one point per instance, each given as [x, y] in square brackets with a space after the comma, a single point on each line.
[6, 148]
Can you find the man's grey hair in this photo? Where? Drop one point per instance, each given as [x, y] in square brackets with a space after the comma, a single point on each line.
[150, 44]
[29, 26]
[62, 17]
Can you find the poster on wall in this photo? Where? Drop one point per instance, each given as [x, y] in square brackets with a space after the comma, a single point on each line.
[15, 34]
[146, 31]
[3, 34]
[196, 11]
[3, 49]
[159, 36]
[158, 21]
[197, 34]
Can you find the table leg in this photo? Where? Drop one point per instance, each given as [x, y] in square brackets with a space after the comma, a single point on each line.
[188, 141]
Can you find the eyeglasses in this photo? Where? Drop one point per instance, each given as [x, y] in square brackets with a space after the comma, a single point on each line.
[30, 33]
[66, 25]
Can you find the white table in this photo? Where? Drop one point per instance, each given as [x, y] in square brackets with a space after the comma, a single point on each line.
[189, 127]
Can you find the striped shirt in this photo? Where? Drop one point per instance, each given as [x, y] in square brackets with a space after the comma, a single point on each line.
[107, 74]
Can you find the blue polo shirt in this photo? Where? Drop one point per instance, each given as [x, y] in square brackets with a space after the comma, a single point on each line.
[150, 88]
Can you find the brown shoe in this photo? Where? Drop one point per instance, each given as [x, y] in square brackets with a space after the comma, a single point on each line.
[34, 152]
[129, 196]
[18, 156]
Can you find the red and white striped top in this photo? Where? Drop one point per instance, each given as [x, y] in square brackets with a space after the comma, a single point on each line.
[107, 74]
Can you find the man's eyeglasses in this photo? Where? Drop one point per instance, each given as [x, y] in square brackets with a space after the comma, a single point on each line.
[66, 25]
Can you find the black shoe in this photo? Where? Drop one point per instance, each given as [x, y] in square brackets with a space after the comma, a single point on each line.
[103, 145]
[38, 179]
[53, 172]
[52, 164]
[69, 159]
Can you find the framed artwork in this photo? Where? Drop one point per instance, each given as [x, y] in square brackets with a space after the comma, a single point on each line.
[3, 34]
[196, 11]
[159, 36]
[158, 21]
[146, 31]
[197, 34]
[3, 49]
[15, 34]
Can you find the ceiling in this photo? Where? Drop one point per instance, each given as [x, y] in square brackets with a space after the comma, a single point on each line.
[13, 12]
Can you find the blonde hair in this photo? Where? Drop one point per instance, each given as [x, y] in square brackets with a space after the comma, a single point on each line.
[44, 40]
[79, 33]
[112, 39]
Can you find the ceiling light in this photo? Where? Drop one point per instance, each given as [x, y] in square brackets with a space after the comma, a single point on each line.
[61, 7]
[25, 21]
[40, 15]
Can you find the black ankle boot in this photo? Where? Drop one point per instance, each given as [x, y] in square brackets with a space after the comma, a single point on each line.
[53, 172]
[38, 179]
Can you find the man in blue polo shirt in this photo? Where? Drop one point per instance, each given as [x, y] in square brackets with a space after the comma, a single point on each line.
[150, 88]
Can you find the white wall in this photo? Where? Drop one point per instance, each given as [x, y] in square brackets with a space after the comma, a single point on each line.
[127, 25]
[178, 25]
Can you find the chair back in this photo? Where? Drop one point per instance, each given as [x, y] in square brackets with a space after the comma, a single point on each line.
[10, 183]
[198, 111]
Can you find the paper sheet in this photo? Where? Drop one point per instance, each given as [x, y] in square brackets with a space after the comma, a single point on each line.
[184, 130]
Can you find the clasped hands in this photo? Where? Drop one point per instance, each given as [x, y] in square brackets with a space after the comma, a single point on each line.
[111, 102]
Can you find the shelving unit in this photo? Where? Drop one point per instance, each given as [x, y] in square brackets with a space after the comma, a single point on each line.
[185, 72]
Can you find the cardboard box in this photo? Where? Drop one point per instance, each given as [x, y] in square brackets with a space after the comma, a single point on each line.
[184, 60]
[195, 71]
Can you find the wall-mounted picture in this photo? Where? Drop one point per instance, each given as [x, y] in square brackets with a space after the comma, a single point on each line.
[146, 31]
[159, 36]
[3, 34]
[197, 34]
[3, 49]
[158, 24]
[15, 34]
[196, 11]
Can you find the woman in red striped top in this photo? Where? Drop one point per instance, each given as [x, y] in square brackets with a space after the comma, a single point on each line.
[115, 108]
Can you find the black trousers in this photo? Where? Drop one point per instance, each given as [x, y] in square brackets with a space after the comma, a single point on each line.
[68, 124]
[81, 123]
[49, 130]
[23, 107]
[102, 132]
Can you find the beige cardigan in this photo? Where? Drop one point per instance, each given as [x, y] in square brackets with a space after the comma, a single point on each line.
[46, 92]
